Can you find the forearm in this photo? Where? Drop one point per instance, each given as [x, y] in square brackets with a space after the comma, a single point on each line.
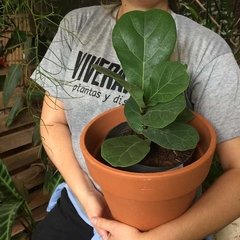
[57, 143]
[219, 206]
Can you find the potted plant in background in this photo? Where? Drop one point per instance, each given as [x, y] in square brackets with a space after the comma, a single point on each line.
[156, 113]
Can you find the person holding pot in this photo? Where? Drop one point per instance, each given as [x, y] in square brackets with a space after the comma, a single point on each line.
[75, 93]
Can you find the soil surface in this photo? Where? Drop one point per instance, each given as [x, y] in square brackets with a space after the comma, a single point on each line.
[158, 156]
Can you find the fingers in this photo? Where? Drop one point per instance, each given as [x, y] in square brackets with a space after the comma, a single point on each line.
[103, 223]
[103, 233]
[103, 226]
[115, 230]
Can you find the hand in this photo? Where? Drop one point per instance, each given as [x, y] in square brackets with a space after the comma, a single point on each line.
[116, 230]
[96, 206]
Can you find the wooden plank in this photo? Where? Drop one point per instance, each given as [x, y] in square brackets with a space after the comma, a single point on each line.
[38, 198]
[21, 159]
[23, 119]
[38, 204]
[3, 71]
[16, 140]
[16, 93]
[38, 214]
[21, 21]
[30, 177]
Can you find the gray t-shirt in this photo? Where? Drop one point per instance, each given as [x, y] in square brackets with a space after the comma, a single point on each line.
[84, 38]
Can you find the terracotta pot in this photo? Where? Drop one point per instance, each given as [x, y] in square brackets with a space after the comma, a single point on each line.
[146, 200]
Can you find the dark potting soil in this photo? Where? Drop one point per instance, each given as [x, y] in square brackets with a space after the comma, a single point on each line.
[161, 157]
[158, 156]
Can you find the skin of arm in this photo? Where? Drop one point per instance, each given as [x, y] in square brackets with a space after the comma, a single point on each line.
[219, 206]
[56, 139]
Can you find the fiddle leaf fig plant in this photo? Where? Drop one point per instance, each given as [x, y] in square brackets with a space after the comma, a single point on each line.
[156, 110]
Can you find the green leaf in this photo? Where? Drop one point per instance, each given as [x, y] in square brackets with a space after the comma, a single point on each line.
[52, 180]
[167, 82]
[142, 40]
[15, 110]
[34, 96]
[194, 14]
[17, 38]
[134, 91]
[36, 137]
[124, 151]
[176, 136]
[163, 114]
[7, 187]
[8, 213]
[185, 116]
[11, 81]
[28, 50]
[133, 115]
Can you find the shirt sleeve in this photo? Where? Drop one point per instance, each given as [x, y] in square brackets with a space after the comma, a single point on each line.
[215, 93]
[50, 73]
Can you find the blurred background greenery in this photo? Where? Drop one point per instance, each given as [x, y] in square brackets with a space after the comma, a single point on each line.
[222, 16]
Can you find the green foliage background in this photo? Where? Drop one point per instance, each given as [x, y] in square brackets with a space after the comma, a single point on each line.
[222, 16]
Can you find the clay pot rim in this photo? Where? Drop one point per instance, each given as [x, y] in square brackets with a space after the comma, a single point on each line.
[179, 171]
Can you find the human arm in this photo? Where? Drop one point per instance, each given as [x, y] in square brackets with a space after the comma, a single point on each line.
[56, 140]
[219, 206]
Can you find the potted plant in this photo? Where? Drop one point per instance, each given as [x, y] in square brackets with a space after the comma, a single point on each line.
[157, 115]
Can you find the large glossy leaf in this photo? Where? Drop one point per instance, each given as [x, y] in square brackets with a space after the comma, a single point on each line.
[163, 114]
[135, 92]
[142, 40]
[124, 151]
[185, 116]
[167, 82]
[8, 213]
[7, 187]
[176, 136]
[133, 115]
[11, 81]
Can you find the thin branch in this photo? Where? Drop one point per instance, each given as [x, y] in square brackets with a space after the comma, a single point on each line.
[210, 16]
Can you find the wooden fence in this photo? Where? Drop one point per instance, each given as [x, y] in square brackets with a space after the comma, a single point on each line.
[22, 161]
